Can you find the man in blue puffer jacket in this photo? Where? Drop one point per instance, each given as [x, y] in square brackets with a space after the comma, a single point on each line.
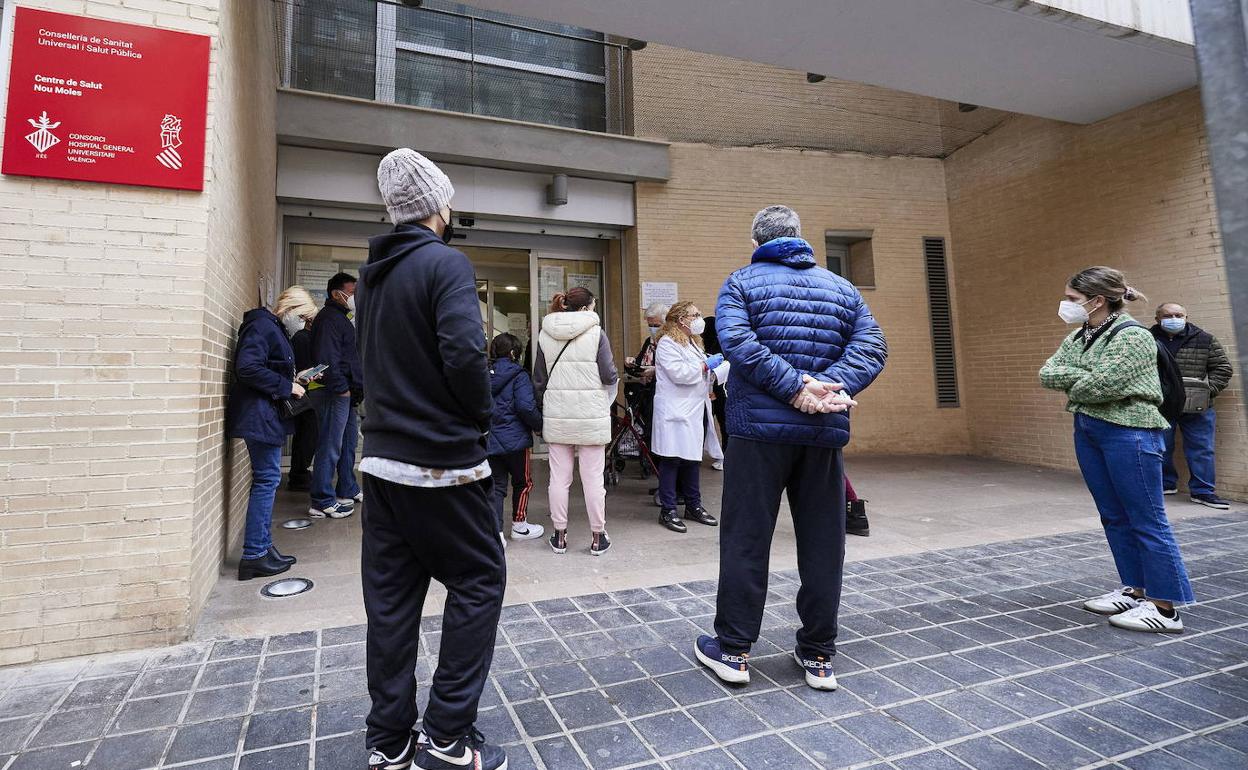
[801, 343]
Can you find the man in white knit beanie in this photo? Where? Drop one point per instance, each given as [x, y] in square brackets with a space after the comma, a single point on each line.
[426, 477]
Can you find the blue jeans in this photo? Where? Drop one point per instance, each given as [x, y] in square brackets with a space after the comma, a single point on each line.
[1122, 468]
[335, 450]
[266, 475]
[1198, 431]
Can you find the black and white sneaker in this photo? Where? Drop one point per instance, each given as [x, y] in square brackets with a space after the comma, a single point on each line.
[1146, 617]
[599, 545]
[377, 759]
[729, 667]
[559, 541]
[338, 510]
[470, 752]
[1170, 491]
[1211, 501]
[1113, 602]
[818, 668]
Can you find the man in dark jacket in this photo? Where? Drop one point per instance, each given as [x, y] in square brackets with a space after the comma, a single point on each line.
[1206, 371]
[303, 444]
[341, 390]
[428, 481]
[801, 342]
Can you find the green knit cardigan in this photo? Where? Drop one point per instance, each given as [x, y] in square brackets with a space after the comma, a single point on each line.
[1114, 381]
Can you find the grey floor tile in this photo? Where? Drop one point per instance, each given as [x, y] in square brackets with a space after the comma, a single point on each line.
[515, 613]
[551, 607]
[930, 760]
[769, 751]
[1097, 679]
[517, 686]
[136, 751]
[1236, 737]
[672, 733]
[559, 752]
[536, 719]
[236, 648]
[779, 708]
[73, 726]
[995, 661]
[1208, 753]
[656, 661]
[98, 692]
[342, 684]
[1060, 688]
[273, 728]
[288, 664]
[612, 669]
[829, 746]
[342, 716]
[342, 657]
[568, 625]
[1093, 734]
[989, 753]
[13, 732]
[875, 689]
[205, 739]
[528, 631]
[561, 678]
[149, 713]
[229, 672]
[639, 698]
[781, 669]
[883, 735]
[931, 721]
[1131, 671]
[497, 725]
[1176, 711]
[584, 709]
[1209, 699]
[689, 688]
[728, 720]
[1056, 752]
[982, 712]
[284, 758]
[543, 653]
[345, 751]
[1132, 720]
[614, 617]
[1159, 759]
[219, 702]
[301, 640]
[958, 669]
[285, 693]
[919, 680]
[591, 602]
[714, 759]
[1020, 698]
[68, 756]
[25, 701]
[163, 681]
[348, 634]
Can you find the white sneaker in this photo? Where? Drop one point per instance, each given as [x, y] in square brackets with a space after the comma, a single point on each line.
[526, 531]
[1147, 617]
[1113, 602]
[336, 511]
[359, 498]
[718, 465]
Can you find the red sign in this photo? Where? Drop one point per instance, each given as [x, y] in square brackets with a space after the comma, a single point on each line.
[106, 102]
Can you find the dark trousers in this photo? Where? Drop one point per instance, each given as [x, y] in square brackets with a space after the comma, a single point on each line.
[513, 467]
[681, 478]
[303, 447]
[757, 474]
[412, 535]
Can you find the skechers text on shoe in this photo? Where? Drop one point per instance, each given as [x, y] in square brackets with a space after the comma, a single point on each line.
[818, 668]
[1148, 617]
[729, 667]
[1113, 602]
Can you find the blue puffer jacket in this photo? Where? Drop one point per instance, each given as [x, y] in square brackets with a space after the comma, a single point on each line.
[264, 366]
[783, 316]
[515, 409]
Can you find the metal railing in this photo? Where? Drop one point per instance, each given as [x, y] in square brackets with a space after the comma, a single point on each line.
[448, 56]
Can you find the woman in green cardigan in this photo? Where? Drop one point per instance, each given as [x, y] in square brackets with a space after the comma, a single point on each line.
[1110, 378]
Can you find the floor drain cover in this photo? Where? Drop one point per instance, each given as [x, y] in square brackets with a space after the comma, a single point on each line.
[297, 524]
[280, 589]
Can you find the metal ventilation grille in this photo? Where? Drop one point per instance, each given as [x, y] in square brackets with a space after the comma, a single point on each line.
[942, 322]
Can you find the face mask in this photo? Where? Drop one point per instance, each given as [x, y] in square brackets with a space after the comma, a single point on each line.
[293, 323]
[698, 326]
[1174, 325]
[654, 330]
[448, 230]
[1072, 312]
[351, 303]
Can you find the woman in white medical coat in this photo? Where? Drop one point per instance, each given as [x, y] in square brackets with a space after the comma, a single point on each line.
[682, 408]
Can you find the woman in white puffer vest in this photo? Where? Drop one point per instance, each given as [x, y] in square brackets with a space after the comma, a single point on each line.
[575, 380]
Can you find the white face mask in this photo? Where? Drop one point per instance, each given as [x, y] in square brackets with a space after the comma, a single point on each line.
[654, 330]
[351, 303]
[698, 326]
[293, 323]
[1072, 312]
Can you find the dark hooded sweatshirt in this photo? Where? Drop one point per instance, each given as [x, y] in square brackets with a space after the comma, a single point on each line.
[423, 350]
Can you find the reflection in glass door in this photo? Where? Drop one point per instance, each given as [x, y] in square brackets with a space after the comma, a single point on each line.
[558, 275]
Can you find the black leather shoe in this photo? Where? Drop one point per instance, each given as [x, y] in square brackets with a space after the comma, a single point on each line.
[266, 566]
[856, 518]
[669, 519]
[701, 515]
[288, 559]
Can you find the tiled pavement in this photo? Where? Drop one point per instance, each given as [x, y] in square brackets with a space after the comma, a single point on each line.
[975, 657]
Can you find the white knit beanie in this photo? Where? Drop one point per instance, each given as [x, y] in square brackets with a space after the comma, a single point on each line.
[412, 186]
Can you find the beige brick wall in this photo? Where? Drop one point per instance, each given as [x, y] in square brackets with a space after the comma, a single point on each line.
[695, 230]
[103, 433]
[1036, 201]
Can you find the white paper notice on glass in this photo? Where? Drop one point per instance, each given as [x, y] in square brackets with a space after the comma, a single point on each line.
[549, 283]
[588, 280]
[518, 324]
[662, 292]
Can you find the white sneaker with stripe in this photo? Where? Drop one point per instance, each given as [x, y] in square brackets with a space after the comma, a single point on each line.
[1146, 617]
[1113, 602]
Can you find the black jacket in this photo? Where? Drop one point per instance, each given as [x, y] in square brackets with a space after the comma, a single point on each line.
[264, 367]
[333, 344]
[302, 344]
[1199, 355]
[423, 349]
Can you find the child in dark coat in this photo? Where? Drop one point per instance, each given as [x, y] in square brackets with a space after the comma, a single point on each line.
[510, 440]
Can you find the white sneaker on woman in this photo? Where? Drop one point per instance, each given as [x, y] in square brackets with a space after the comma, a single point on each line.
[1113, 602]
[1146, 617]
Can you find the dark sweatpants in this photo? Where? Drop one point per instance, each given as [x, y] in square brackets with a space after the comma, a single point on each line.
[412, 535]
[511, 470]
[303, 447]
[679, 479]
[755, 474]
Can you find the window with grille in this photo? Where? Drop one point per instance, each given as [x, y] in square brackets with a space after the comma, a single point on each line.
[941, 314]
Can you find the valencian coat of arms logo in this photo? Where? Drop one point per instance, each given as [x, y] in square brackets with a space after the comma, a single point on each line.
[42, 137]
[170, 140]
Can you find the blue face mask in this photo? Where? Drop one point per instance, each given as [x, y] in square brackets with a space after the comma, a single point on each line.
[1174, 325]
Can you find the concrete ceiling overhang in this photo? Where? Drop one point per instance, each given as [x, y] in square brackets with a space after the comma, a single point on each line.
[1012, 55]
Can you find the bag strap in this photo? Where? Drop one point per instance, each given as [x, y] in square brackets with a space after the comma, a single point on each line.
[550, 372]
[1109, 335]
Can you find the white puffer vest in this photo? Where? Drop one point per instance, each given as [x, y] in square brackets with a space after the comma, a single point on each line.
[576, 408]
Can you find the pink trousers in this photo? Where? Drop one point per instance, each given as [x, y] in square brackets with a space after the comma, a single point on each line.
[592, 461]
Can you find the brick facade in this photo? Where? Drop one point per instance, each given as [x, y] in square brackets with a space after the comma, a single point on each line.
[1034, 202]
[113, 349]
